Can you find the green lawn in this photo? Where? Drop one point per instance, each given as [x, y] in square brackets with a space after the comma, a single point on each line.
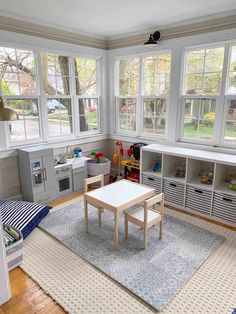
[206, 132]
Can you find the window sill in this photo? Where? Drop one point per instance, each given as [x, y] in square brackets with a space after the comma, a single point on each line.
[56, 143]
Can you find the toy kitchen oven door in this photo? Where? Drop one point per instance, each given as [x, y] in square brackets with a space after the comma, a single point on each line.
[64, 179]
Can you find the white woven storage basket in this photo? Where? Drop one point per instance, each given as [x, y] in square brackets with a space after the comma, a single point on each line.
[96, 169]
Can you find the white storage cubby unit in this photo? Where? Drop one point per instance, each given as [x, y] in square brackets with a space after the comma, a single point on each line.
[179, 178]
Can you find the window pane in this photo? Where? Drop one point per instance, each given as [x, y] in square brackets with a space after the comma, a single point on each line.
[88, 110]
[230, 124]
[204, 71]
[195, 61]
[232, 72]
[199, 118]
[157, 74]
[10, 84]
[193, 84]
[55, 74]
[86, 72]
[59, 116]
[18, 72]
[212, 83]
[154, 116]
[214, 60]
[127, 114]
[26, 59]
[27, 127]
[128, 76]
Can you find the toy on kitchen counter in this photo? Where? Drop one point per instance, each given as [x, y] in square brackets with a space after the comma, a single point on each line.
[206, 176]
[180, 171]
[77, 152]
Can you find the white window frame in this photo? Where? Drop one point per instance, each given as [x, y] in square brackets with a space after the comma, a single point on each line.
[155, 135]
[214, 140]
[97, 96]
[25, 141]
[41, 97]
[139, 97]
[44, 98]
[12, 144]
[220, 102]
[224, 142]
[143, 96]
[135, 132]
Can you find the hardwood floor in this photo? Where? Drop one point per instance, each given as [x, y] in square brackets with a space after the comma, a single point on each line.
[28, 297]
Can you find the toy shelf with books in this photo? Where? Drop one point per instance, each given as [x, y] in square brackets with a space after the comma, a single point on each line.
[193, 180]
[13, 240]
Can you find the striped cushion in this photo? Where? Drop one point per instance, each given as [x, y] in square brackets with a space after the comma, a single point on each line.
[24, 216]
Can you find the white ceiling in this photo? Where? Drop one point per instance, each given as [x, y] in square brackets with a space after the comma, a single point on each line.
[109, 18]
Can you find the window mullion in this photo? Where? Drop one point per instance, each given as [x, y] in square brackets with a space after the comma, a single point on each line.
[221, 105]
[75, 102]
[42, 108]
[139, 120]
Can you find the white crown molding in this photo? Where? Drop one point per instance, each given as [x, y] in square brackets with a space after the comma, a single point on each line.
[176, 32]
[32, 29]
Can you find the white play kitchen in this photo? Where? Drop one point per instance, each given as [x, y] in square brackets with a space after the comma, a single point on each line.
[44, 179]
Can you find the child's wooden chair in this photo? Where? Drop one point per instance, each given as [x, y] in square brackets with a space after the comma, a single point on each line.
[87, 182]
[147, 216]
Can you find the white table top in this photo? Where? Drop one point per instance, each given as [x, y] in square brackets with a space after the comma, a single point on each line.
[120, 193]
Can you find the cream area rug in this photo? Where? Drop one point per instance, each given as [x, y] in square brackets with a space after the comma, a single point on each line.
[80, 288]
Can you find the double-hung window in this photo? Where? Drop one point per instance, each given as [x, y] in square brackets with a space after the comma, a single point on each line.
[156, 85]
[87, 91]
[127, 92]
[201, 90]
[57, 94]
[19, 88]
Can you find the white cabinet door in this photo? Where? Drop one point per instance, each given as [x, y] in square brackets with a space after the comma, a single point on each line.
[49, 173]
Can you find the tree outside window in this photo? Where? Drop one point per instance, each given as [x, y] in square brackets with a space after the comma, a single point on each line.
[156, 81]
[87, 90]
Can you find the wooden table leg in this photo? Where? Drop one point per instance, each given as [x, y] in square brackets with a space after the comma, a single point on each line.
[85, 215]
[116, 231]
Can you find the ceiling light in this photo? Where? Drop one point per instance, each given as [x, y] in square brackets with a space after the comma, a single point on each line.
[7, 114]
[153, 39]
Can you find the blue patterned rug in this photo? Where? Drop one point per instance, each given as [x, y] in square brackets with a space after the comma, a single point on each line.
[155, 274]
